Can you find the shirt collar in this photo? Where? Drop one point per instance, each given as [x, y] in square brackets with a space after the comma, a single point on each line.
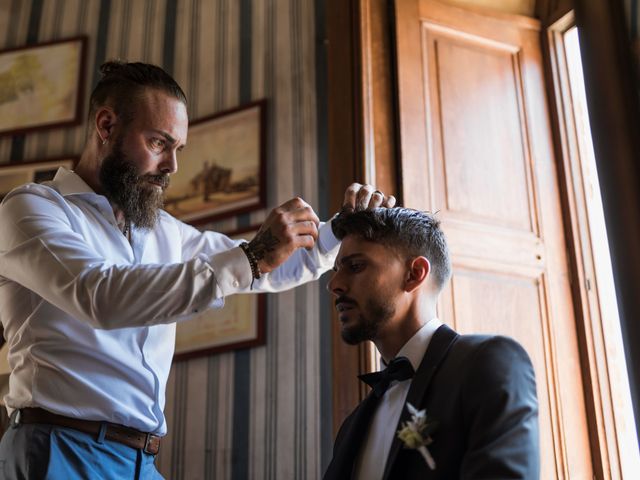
[416, 346]
[68, 182]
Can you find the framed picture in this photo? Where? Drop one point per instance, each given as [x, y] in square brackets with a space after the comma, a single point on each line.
[221, 172]
[16, 174]
[239, 324]
[41, 86]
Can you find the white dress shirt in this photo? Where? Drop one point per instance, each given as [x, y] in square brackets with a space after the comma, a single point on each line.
[377, 443]
[90, 318]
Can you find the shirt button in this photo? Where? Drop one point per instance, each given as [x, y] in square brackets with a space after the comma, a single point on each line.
[236, 283]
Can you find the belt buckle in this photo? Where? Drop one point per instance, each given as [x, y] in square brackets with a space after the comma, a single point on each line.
[16, 418]
[147, 441]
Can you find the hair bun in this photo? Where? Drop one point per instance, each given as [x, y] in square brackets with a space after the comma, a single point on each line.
[111, 67]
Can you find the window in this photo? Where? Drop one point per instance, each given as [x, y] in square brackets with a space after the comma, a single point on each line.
[594, 290]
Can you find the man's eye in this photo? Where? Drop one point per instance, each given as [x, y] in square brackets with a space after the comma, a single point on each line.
[157, 143]
[356, 267]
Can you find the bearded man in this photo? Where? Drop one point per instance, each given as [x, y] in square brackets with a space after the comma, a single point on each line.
[94, 275]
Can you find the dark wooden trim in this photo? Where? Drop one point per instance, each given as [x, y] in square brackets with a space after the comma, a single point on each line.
[412, 141]
[361, 132]
[377, 90]
[344, 168]
[550, 11]
[614, 113]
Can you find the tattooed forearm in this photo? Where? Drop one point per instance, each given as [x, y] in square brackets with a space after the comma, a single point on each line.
[263, 243]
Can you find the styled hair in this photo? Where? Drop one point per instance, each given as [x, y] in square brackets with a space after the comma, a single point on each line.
[123, 83]
[411, 233]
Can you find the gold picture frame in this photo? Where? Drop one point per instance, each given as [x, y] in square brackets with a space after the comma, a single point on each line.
[15, 174]
[239, 324]
[221, 172]
[41, 86]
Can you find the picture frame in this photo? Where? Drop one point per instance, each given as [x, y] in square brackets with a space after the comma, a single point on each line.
[239, 324]
[42, 86]
[222, 170]
[13, 175]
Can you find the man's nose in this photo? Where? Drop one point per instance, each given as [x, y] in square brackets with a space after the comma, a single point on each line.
[335, 285]
[169, 163]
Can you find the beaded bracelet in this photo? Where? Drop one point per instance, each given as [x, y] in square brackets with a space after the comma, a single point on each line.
[253, 262]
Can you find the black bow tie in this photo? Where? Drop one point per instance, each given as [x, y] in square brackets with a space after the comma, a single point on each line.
[398, 369]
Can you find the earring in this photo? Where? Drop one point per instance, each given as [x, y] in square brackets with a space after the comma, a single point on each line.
[104, 141]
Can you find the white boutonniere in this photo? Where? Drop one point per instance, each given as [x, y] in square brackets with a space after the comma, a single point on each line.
[416, 433]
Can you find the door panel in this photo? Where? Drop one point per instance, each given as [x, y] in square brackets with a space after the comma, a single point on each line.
[475, 92]
[476, 147]
[515, 306]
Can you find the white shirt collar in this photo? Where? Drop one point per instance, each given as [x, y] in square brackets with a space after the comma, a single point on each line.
[68, 182]
[377, 444]
[417, 345]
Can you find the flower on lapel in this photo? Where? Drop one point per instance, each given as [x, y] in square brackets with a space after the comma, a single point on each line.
[416, 433]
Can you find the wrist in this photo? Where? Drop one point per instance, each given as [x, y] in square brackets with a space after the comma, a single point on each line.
[256, 272]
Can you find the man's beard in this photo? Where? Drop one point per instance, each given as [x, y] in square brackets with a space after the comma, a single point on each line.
[139, 201]
[375, 314]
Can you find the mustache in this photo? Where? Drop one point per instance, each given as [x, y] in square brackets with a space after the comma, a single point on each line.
[161, 179]
[345, 299]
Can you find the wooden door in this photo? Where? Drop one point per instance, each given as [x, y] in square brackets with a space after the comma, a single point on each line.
[476, 146]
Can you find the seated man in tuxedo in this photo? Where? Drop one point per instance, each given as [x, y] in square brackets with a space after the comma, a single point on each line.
[446, 406]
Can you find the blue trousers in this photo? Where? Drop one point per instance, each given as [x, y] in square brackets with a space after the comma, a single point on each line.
[38, 451]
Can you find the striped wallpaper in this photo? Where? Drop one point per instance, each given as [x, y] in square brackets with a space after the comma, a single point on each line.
[262, 413]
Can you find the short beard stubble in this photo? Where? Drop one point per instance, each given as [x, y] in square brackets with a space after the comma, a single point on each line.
[131, 192]
[378, 313]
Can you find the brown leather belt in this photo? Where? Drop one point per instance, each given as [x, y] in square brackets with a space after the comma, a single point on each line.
[131, 437]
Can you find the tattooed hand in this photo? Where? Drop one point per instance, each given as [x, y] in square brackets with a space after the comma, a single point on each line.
[365, 197]
[292, 225]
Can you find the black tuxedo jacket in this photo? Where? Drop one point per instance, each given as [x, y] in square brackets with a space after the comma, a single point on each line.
[481, 390]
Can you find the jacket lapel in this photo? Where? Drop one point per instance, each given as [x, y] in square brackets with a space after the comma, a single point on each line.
[348, 444]
[442, 340]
